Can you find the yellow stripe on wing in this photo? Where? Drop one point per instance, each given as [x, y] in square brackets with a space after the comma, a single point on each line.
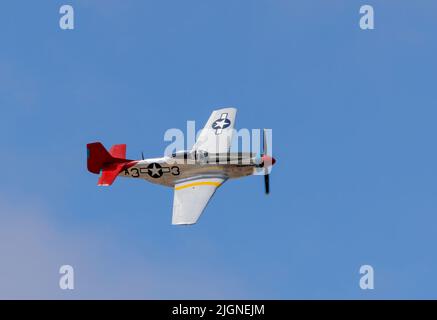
[200, 183]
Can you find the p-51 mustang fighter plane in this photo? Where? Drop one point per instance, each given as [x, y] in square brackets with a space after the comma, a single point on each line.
[195, 175]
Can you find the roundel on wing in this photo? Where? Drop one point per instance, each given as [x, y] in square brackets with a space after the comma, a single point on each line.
[221, 123]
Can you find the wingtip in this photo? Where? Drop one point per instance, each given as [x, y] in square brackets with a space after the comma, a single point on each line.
[230, 108]
[180, 223]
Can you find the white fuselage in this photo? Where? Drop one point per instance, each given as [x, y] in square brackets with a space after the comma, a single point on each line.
[171, 170]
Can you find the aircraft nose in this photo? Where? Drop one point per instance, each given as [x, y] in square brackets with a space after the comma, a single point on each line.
[268, 160]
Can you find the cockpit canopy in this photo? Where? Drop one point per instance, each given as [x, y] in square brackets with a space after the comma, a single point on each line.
[203, 157]
[181, 155]
[198, 156]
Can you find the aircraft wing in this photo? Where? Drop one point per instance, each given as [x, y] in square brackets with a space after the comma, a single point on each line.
[191, 198]
[216, 136]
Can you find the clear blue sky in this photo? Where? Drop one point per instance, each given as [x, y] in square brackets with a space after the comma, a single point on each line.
[353, 115]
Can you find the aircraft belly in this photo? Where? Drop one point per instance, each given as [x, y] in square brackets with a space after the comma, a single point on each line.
[190, 171]
[237, 171]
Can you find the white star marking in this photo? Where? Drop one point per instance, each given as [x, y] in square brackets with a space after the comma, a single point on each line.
[154, 170]
[219, 124]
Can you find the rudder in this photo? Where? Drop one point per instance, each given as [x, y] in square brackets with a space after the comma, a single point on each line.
[97, 156]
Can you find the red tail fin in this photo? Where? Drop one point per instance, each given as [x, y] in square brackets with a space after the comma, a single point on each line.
[97, 157]
[109, 163]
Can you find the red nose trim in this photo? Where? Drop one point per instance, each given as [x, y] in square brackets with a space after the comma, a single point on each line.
[268, 160]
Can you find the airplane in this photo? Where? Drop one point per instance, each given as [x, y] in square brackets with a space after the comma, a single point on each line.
[195, 175]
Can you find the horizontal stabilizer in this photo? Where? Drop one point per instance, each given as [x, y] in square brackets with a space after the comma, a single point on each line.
[118, 151]
[109, 173]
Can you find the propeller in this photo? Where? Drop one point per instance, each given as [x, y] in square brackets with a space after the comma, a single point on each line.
[267, 162]
[142, 155]
[266, 169]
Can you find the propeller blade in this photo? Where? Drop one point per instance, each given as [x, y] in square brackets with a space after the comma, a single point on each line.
[265, 146]
[142, 155]
[267, 183]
